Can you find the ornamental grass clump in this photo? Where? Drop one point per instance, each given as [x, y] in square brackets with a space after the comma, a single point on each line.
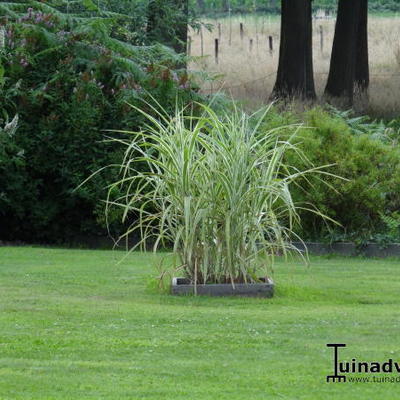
[217, 191]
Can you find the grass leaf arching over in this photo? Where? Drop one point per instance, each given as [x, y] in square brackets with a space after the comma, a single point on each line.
[216, 188]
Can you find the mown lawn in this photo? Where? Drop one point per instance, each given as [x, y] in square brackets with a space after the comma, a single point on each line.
[74, 325]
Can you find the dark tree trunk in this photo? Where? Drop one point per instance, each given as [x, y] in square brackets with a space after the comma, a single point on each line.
[225, 5]
[349, 62]
[362, 62]
[295, 71]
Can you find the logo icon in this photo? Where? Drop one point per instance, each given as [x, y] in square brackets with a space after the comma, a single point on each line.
[336, 377]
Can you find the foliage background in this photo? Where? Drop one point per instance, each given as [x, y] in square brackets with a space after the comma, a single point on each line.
[69, 70]
[69, 77]
[273, 6]
[366, 154]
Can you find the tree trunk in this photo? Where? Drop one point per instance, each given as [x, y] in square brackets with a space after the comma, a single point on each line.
[225, 5]
[362, 62]
[349, 61]
[295, 71]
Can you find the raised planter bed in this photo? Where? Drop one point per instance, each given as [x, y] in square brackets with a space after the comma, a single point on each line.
[182, 286]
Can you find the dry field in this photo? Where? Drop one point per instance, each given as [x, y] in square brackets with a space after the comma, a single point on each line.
[246, 68]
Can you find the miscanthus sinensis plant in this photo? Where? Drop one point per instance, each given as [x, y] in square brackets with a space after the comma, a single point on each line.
[216, 188]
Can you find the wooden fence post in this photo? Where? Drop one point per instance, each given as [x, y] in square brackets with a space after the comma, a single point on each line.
[321, 32]
[241, 31]
[271, 44]
[201, 41]
[216, 50]
[189, 43]
[230, 26]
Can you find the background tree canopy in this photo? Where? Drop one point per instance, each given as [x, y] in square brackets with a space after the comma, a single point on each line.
[246, 6]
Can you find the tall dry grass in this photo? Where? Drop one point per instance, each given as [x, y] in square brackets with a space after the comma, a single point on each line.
[249, 73]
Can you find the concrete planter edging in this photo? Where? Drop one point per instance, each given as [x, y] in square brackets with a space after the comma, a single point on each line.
[182, 286]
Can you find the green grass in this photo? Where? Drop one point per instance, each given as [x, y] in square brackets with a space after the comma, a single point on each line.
[74, 325]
